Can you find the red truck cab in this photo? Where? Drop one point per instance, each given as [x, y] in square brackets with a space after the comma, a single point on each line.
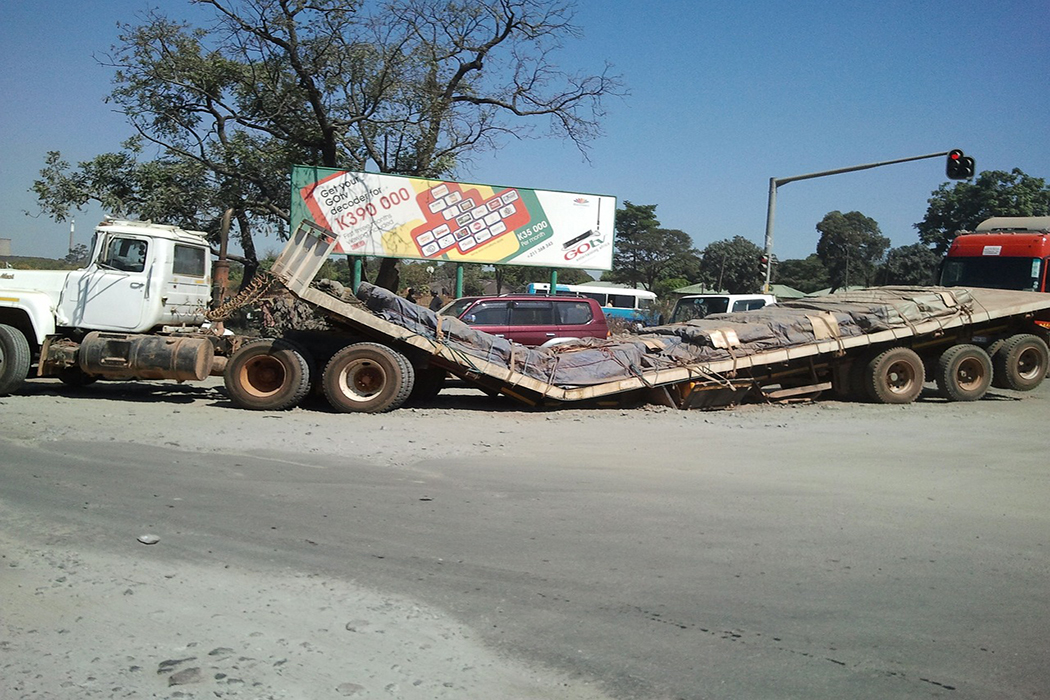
[1003, 253]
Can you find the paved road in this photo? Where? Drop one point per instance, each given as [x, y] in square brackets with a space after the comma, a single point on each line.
[812, 551]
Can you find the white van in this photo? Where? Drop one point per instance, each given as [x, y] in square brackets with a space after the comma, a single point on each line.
[695, 306]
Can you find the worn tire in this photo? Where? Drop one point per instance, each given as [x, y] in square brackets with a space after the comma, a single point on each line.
[367, 378]
[854, 389]
[15, 358]
[1021, 363]
[267, 375]
[894, 376]
[964, 372]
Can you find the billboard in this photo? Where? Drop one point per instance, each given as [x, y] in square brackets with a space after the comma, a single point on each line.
[395, 216]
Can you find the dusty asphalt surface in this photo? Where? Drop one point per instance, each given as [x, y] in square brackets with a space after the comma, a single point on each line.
[475, 550]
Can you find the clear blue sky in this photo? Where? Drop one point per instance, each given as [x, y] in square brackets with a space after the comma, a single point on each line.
[723, 97]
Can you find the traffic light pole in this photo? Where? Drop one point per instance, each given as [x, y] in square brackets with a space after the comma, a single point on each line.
[775, 182]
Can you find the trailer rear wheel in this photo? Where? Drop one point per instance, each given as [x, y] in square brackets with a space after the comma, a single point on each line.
[856, 389]
[15, 358]
[964, 372]
[367, 378]
[894, 376]
[267, 375]
[1021, 363]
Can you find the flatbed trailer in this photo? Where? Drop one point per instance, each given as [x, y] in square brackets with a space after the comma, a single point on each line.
[878, 345]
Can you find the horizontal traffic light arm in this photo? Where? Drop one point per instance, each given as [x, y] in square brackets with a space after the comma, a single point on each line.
[777, 181]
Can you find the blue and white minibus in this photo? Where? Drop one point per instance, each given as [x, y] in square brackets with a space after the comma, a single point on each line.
[632, 305]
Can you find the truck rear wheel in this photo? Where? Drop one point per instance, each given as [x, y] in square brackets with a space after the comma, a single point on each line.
[15, 358]
[1021, 363]
[894, 376]
[267, 375]
[964, 372]
[367, 378]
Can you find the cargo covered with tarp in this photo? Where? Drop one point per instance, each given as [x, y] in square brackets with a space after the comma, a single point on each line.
[703, 342]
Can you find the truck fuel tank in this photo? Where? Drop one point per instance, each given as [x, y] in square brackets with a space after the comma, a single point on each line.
[130, 356]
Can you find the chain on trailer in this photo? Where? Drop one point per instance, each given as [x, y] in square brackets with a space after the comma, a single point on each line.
[256, 289]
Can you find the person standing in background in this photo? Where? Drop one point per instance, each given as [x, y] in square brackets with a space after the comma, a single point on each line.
[438, 301]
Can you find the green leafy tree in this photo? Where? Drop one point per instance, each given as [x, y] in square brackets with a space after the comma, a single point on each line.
[646, 253]
[914, 264]
[961, 206]
[413, 87]
[806, 275]
[851, 247]
[665, 287]
[733, 265]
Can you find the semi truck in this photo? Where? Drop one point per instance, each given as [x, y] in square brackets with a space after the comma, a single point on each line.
[139, 311]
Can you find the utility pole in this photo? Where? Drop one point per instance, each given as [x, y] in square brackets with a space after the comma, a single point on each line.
[775, 182]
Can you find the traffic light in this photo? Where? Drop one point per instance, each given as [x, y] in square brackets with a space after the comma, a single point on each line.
[763, 264]
[960, 166]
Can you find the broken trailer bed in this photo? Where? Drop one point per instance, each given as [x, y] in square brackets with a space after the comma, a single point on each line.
[880, 344]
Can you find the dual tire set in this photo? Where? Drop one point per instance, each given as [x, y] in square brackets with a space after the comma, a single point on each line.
[274, 375]
[963, 372]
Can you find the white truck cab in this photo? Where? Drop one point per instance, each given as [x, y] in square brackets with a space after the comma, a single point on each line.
[141, 276]
[695, 306]
[109, 318]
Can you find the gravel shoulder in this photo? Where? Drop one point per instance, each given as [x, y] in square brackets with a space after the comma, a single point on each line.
[794, 551]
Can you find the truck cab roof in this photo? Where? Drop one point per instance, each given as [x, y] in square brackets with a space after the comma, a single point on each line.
[148, 228]
[1015, 224]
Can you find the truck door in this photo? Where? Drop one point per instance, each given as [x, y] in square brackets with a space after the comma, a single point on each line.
[111, 293]
[186, 291]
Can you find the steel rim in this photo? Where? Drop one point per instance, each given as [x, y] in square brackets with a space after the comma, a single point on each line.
[900, 377]
[1029, 364]
[362, 379]
[263, 376]
[970, 374]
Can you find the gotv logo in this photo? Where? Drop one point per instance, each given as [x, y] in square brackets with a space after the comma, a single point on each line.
[584, 248]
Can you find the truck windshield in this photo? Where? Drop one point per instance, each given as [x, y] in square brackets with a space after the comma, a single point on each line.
[992, 272]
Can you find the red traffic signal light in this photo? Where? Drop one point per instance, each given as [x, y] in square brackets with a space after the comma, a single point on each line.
[959, 166]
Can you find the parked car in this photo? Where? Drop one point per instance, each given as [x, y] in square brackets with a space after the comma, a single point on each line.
[696, 306]
[530, 319]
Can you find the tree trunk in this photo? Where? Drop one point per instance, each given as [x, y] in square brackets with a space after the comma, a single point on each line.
[388, 277]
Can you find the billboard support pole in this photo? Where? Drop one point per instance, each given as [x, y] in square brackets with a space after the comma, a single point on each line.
[459, 280]
[554, 282]
[358, 266]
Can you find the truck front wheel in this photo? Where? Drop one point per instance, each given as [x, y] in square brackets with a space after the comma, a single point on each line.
[895, 376]
[15, 358]
[964, 372]
[1021, 362]
[267, 375]
[367, 378]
